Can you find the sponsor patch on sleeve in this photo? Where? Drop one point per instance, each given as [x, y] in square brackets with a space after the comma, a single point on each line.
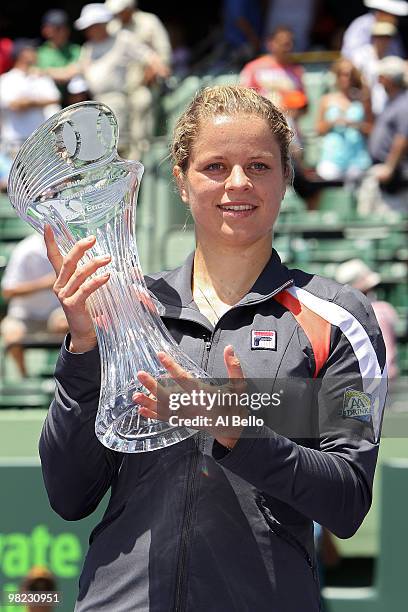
[357, 405]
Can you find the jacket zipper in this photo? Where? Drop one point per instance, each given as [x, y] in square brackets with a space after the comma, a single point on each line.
[185, 531]
[206, 357]
[190, 494]
[266, 298]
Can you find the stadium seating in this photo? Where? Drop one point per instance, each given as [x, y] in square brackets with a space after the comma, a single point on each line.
[176, 244]
[14, 228]
[159, 206]
[35, 393]
[389, 591]
[317, 83]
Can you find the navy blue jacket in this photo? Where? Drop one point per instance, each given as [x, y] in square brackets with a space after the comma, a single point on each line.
[195, 527]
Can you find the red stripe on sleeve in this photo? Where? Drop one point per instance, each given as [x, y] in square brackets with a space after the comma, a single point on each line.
[315, 327]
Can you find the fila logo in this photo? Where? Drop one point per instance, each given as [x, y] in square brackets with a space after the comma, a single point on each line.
[263, 340]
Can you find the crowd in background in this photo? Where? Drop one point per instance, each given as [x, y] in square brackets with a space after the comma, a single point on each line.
[129, 58]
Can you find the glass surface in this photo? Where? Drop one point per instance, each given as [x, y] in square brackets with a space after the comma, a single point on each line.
[69, 174]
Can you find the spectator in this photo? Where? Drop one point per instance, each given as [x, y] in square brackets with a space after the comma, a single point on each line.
[274, 75]
[147, 27]
[344, 120]
[359, 31]
[366, 59]
[57, 51]
[104, 62]
[357, 274]
[141, 80]
[39, 579]
[32, 307]
[296, 15]
[26, 98]
[386, 185]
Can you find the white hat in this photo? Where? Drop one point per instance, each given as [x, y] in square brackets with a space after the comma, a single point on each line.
[383, 28]
[92, 14]
[117, 6]
[394, 7]
[393, 67]
[357, 274]
[77, 85]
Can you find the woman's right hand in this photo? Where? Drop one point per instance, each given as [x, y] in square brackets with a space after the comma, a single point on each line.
[73, 286]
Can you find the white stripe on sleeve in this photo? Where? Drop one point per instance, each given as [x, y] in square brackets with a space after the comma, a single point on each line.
[374, 381]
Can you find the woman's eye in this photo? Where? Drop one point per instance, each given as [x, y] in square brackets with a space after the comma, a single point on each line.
[214, 166]
[259, 166]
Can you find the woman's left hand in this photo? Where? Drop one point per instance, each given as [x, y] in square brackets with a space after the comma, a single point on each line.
[211, 415]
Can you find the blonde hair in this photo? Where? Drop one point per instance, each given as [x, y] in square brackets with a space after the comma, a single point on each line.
[228, 100]
[355, 74]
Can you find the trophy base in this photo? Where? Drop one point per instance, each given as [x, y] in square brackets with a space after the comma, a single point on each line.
[133, 433]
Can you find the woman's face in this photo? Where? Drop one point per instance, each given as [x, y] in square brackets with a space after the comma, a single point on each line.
[344, 76]
[234, 183]
[281, 44]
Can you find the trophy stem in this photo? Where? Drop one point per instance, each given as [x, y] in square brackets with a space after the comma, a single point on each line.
[129, 333]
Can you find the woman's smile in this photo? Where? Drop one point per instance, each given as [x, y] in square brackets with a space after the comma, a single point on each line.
[237, 210]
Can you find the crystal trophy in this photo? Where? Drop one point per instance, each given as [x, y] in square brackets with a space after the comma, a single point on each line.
[69, 174]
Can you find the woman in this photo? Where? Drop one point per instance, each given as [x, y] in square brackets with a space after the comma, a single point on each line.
[223, 520]
[274, 75]
[344, 120]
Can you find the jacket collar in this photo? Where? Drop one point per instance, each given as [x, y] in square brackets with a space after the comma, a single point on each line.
[173, 289]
